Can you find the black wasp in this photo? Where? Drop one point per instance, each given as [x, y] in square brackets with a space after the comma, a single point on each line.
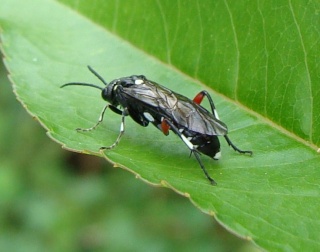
[148, 102]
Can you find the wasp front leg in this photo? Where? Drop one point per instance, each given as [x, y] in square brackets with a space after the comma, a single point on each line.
[113, 108]
[122, 129]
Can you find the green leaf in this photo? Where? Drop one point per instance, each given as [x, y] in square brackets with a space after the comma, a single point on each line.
[263, 54]
[272, 197]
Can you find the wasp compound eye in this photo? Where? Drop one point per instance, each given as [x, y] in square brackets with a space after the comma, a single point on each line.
[108, 93]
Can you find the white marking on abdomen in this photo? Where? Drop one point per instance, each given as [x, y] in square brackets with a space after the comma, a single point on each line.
[217, 155]
[148, 116]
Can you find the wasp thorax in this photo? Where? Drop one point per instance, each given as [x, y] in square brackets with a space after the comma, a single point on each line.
[138, 79]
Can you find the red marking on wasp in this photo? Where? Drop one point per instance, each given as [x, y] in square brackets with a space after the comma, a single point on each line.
[165, 127]
[199, 97]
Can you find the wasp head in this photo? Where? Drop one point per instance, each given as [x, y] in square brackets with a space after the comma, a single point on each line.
[108, 93]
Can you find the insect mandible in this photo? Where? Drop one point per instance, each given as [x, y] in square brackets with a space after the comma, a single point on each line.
[146, 101]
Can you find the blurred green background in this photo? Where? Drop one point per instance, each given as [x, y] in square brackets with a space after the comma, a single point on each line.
[55, 200]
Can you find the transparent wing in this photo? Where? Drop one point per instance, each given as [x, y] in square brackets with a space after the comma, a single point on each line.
[179, 109]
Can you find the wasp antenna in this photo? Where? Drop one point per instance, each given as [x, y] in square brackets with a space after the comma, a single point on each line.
[81, 84]
[97, 75]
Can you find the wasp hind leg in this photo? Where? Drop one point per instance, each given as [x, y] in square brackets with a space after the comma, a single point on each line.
[235, 147]
[198, 99]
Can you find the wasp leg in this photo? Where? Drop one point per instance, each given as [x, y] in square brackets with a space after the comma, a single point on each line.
[113, 108]
[196, 154]
[192, 148]
[99, 120]
[198, 99]
[236, 148]
[122, 129]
